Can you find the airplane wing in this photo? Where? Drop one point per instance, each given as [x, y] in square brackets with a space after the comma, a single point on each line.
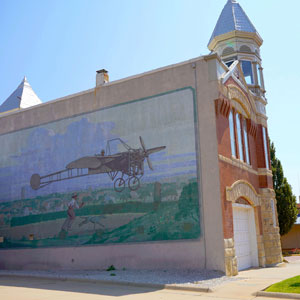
[91, 162]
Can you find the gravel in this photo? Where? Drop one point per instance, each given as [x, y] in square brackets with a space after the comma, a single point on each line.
[192, 278]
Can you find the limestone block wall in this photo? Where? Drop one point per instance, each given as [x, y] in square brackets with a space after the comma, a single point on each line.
[261, 250]
[230, 258]
[271, 236]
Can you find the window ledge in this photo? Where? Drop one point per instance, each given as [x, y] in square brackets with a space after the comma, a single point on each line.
[238, 163]
[264, 171]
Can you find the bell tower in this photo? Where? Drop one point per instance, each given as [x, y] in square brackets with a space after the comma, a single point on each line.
[235, 38]
[237, 43]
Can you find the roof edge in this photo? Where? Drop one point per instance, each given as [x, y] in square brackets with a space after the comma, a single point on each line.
[235, 34]
[203, 57]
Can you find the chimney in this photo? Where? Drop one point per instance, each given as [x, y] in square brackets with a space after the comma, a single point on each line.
[101, 77]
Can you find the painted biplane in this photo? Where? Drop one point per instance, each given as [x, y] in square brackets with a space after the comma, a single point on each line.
[122, 167]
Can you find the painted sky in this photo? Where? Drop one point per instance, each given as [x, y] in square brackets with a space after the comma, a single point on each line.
[59, 45]
[49, 148]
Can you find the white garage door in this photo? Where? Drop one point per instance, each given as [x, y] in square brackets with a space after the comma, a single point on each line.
[244, 236]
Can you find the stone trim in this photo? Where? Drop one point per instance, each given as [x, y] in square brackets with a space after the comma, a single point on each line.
[235, 34]
[238, 97]
[230, 258]
[237, 163]
[261, 100]
[242, 188]
[264, 172]
[239, 108]
[267, 192]
[271, 236]
[262, 120]
[261, 251]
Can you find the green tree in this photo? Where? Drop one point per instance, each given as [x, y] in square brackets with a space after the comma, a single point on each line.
[286, 201]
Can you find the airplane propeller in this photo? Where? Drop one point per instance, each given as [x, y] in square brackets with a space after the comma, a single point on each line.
[146, 154]
[149, 151]
[149, 163]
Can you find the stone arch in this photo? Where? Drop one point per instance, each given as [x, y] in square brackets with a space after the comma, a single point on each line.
[227, 51]
[242, 200]
[240, 108]
[245, 48]
[242, 189]
[236, 95]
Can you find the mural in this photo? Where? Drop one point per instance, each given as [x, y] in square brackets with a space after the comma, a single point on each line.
[129, 163]
[127, 173]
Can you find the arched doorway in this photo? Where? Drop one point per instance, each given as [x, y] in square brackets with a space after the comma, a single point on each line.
[244, 230]
[244, 198]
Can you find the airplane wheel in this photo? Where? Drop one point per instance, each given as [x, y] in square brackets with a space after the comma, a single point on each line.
[35, 181]
[119, 184]
[133, 183]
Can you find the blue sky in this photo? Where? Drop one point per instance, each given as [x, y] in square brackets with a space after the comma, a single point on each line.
[59, 45]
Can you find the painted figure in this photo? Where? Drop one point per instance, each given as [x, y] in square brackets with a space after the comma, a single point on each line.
[71, 213]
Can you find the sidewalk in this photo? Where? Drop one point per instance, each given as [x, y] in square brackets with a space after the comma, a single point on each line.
[292, 258]
[243, 286]
[255, 280]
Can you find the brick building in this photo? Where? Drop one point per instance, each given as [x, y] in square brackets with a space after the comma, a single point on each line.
[205, 201]
[246, 179]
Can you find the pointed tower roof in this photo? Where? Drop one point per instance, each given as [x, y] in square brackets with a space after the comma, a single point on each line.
[24, 96]
[232, 18]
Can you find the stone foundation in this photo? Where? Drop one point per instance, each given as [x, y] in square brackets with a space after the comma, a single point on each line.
[261, 251]
[230, 258]
[271, 236]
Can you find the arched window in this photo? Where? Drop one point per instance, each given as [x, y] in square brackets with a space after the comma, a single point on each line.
[265, 147]
[227, 51]
[245, 48]
[246, 142]
[238, 130]
[232, 135]
[239, 135]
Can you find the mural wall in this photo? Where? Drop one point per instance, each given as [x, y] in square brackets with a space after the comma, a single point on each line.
[122, 174]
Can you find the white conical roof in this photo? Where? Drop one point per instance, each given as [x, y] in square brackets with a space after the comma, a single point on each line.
[232, 18]
[24, 96]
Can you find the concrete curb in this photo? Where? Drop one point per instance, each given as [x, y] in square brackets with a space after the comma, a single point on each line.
[278, 295]
[121, 283]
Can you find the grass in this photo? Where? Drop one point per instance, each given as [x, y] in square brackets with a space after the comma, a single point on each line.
[291, 285]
